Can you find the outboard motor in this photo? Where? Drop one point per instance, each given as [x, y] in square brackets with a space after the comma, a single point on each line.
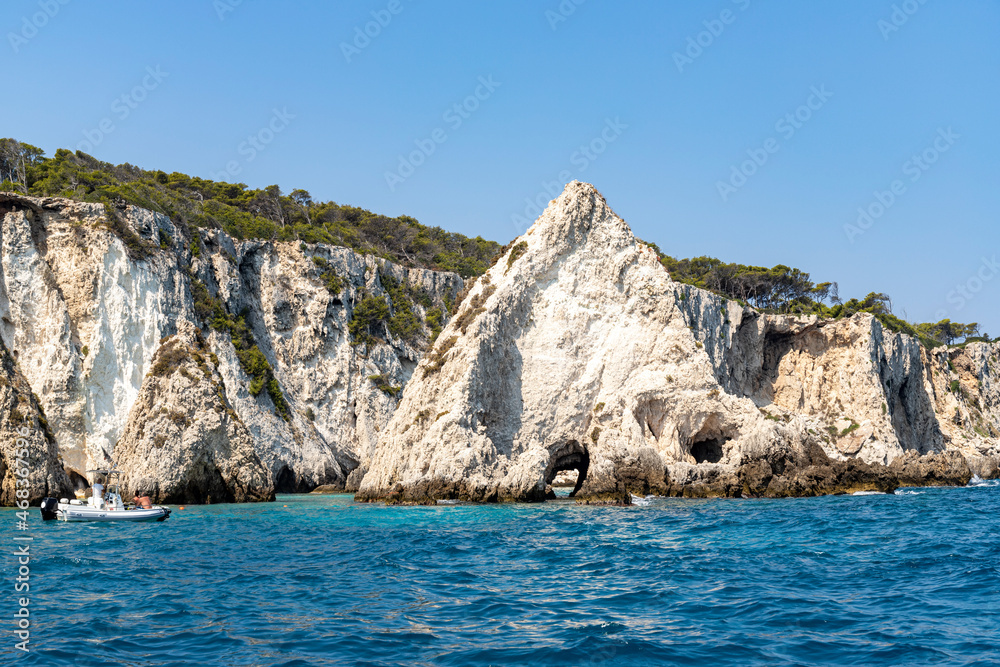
[49, 507]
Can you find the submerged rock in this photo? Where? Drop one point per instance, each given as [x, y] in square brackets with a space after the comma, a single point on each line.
[576, 351]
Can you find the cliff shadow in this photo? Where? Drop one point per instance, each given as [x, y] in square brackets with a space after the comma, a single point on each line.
[910, 409]
[751, 363]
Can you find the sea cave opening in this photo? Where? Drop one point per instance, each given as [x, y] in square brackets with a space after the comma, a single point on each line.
[707, 451]
[285, 481]
[569, 459]
[78, 481]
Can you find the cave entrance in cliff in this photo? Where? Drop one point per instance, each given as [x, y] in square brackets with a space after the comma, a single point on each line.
[285, 482]
[707, 451]
[708, 445]
[78, 481]
[568, 459]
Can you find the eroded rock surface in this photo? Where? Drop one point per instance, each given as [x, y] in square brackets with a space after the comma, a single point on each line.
[87, 306]
[29, 462]
[577, 351]
[183, 441]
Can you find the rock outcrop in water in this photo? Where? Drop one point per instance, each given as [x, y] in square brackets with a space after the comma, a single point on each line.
[90, 303]
[183, 440]
[577, 351]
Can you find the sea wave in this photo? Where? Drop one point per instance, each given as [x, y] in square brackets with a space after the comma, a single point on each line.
[979, 481]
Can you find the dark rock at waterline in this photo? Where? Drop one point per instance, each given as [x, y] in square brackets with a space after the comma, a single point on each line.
[428, 492]
[328, 489]
[986, 467]
[934, 469]
[793, 473]
[641, 475]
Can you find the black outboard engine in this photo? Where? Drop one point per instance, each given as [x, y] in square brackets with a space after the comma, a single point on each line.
[49, 507]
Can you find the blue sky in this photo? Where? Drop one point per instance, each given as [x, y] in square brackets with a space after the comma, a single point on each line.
[677, 112]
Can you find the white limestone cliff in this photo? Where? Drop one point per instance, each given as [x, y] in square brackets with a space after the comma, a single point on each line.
[183, 433]
[577, 351]
[85, 306]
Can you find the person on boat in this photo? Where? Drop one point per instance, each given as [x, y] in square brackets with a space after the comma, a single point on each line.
[142, 501]
[98, 490]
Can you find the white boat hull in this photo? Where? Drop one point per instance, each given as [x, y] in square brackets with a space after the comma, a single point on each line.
[83, 513]
[102, 507]
[77, 511]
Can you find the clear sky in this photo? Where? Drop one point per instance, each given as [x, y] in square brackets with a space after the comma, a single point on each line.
[677, 111]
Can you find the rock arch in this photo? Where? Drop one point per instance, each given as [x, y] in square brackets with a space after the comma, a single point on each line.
[571, 455]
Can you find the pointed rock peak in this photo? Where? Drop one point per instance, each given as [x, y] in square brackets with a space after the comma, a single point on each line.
[581, 190]
[576, 213]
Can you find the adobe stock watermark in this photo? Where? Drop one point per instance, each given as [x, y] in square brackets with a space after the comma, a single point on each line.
[966, 291]
[121, 108]
[256, 143]
[363, 35]
[900, 15]
[580, 159]
[223, 7]
[914, 168]
[455, 116]
[714, 28]
[786, 126]
[562, 12]
[22, 551]
[31, 25]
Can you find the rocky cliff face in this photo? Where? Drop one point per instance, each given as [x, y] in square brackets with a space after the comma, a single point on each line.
[30, 468]
[91, 302]
[183, 439]
[212, 369]
[576, 351]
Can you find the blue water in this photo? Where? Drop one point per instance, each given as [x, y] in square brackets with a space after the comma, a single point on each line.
[908, 579]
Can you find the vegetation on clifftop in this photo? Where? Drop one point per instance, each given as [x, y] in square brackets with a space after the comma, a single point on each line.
[786, 290]
[240, 211]
[269, 214]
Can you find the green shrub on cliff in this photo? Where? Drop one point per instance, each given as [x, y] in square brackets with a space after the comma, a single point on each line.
[333, 283]
[385, 386]
[515, 254]
[783, 289]
[435, 322]
[368, 314]
[404, 323]
[243, 212]
[253, 362]
[395, 314]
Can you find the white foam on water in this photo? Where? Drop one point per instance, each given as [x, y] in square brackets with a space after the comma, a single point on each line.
[909, 492]
[868, 493]
[979, 481]
[642, 502]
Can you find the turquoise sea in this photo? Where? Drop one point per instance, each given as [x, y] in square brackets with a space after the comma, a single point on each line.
[905, 579]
